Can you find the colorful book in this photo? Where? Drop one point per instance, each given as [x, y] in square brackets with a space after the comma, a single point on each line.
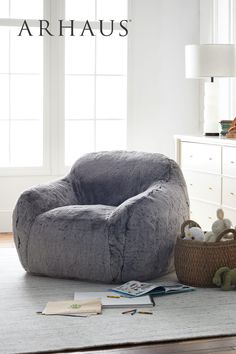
[135, 288]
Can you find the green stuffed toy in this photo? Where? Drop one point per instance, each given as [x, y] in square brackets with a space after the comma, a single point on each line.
[225, 278]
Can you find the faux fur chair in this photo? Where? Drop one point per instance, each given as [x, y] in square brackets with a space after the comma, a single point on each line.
[114, 218]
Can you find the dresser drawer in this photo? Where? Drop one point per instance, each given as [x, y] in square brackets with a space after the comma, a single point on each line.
[201, 157]
[229, 161]
[229, 192]
[203, 213]
[203, 186]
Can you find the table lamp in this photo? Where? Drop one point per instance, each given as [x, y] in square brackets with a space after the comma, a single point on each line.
[210, 60]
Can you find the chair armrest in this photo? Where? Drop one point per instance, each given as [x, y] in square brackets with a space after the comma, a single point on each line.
[160, 210]
[36, 201]
[141, 204]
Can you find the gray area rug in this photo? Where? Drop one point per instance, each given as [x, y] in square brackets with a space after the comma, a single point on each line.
[202, 313]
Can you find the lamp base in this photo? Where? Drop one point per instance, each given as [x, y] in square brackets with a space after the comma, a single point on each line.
[211, 114]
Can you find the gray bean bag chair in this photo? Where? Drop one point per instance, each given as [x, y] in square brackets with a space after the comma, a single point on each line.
[114, 218]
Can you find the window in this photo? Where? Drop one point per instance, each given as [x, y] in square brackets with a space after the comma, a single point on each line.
[21, 87]
[95, 89]
[61, 96]
[223, 31]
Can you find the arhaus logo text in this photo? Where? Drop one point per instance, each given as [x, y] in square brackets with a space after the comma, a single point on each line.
[104, 28]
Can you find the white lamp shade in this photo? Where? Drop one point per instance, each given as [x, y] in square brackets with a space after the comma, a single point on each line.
[210, 60]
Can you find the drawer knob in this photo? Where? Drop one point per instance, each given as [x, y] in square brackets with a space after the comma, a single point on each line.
[232, 193]
[210, 188]
[210, 158]
[190, 156]
[191, 184]
[232, 162]
[209, 217]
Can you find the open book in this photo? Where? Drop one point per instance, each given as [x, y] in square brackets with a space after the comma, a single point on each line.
[135, 288]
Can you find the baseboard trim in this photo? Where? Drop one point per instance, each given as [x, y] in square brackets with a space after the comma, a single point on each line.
[5, 220]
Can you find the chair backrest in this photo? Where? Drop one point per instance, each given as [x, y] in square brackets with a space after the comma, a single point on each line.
[111, 177]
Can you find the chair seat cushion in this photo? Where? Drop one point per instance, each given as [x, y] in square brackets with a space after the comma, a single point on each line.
[72, 242]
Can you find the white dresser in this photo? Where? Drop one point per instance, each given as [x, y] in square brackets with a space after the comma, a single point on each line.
[209, 168]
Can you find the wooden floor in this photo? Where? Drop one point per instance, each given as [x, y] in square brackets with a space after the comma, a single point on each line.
[6, 240]
[224, 345]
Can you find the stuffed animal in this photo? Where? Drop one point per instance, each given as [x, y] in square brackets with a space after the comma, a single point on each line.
[225, 278]
[217, 227]
[193, 233]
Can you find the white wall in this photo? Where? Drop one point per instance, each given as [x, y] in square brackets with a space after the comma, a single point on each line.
[161, 101]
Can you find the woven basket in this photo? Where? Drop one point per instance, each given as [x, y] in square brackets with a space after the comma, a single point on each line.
[196, 262]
